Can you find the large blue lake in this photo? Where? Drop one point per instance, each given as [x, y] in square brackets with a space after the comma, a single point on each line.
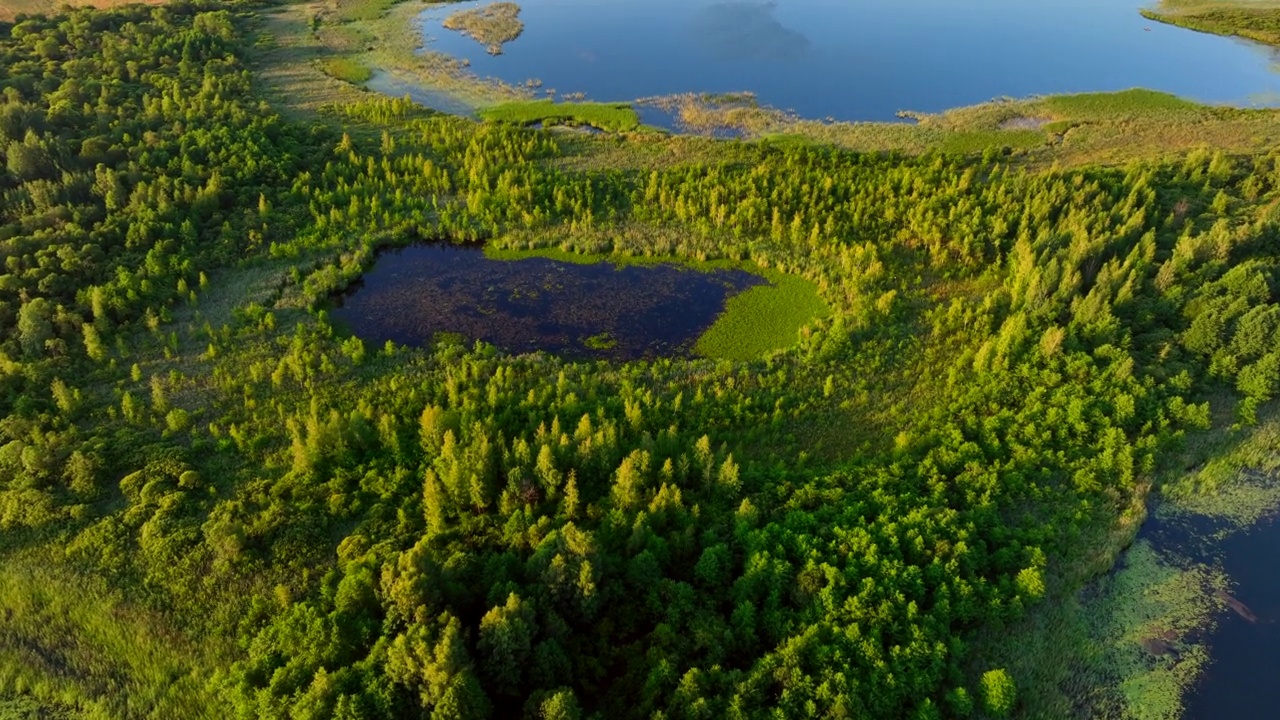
[861, 59]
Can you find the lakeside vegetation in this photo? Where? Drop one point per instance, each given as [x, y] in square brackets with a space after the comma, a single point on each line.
[763, 319]
[1251, 19]
[492, 25]
[266, 519]
[610, 117]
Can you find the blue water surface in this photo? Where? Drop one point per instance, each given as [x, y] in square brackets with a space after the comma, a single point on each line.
[862, 59]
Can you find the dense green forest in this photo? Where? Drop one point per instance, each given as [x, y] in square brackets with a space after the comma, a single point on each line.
[214, 503]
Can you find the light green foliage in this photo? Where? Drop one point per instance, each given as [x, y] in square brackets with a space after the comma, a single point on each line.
[763, 318]
[998, 692]
[612, 117]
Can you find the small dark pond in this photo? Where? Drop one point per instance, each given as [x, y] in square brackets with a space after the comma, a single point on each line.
[598, 310]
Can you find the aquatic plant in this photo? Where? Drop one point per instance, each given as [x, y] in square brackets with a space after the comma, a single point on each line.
[491, 25]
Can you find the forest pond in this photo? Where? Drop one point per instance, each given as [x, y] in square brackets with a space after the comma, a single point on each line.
[859, 59]
[598, 310]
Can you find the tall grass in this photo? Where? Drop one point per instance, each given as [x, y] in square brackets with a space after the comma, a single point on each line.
[612, 117]
[65, 641]
[357, 10]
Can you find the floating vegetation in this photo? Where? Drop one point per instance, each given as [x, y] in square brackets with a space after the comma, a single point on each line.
[1150, 618]
[492, 25]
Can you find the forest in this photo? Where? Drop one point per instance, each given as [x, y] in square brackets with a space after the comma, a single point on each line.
[215, 503]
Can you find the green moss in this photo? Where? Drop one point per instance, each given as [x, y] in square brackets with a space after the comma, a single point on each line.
[612, 117]
[763, 319]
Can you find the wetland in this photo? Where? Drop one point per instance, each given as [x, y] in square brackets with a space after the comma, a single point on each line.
[600, 309]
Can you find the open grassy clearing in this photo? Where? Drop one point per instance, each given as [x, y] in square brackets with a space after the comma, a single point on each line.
[299, 70]
[763, 319]
[611, 117]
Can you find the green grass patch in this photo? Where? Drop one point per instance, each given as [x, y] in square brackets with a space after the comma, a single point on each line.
[1135, 101]
[66, 641]
[978, 140]
[347, 70]
[763, 319]
[1250, 21]
[612, 117]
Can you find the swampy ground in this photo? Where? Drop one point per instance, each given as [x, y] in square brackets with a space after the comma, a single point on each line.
[988, 442]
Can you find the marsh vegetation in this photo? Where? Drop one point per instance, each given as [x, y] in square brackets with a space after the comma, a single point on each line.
[491, 25]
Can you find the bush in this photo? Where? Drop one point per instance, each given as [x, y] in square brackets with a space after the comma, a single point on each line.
[998, 693]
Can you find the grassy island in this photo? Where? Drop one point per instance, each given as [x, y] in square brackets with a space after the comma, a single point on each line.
[492, 25]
